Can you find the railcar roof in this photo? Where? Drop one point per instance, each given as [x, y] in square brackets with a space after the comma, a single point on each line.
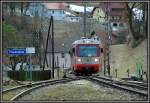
[87, 41]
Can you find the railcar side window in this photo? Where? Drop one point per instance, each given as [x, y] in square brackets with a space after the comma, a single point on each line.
[62, 55]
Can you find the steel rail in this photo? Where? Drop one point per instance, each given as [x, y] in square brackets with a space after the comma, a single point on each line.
[142, 87]
[36, 86]
[138, 83]
[126, 88]
[25, 85]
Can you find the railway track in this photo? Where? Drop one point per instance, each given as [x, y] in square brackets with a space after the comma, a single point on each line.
[19, 91]
[7, 82]
[141, 90]
[138, 83]
[126, 83]
[22, 90]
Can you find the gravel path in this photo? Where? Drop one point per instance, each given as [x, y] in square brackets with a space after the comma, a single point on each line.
[80, 90]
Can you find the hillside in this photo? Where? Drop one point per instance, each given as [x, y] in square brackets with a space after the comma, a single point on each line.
[123, 57]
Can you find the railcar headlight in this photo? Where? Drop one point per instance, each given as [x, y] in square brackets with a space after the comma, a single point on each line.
[79, 60]
[96, 60]
[114, 29]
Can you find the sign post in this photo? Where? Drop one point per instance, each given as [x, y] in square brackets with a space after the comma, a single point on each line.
[30, 51]
[30, 69]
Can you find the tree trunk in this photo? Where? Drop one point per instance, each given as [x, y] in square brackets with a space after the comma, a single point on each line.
[146, 12]
[12, 66]
[21, 8]
[26, 7]
[12, 9]
[130, 25]
[130, 16]
[22, 17]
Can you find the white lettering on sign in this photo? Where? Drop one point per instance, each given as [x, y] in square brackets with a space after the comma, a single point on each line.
[17, 51]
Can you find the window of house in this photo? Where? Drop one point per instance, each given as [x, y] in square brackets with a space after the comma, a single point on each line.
[73, 51]
[117, 9]
[115, 18]
[62, 55]
[57, 61]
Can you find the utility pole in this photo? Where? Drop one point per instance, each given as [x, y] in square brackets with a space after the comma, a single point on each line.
[45, 50]
[84, 20]
[108, 34]
[106, 48]
[41, 43]
[53, 56]
[51, 23]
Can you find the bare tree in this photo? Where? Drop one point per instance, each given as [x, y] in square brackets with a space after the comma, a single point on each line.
[23, 8]
[130, 16]
[12, 8]
[145, 18]
[130, 7]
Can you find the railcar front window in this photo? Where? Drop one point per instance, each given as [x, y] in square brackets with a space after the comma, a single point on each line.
[121, 25]
[87, 51]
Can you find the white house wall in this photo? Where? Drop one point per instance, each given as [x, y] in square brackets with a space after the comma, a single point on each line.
[60, 62]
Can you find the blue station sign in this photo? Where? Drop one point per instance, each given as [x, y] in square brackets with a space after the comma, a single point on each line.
[16, 51]
[20, 51]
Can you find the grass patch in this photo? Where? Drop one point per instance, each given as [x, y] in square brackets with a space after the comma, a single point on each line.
[7, 96]
[123, 57]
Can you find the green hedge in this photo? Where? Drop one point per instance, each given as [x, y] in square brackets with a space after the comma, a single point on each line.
[24, 75]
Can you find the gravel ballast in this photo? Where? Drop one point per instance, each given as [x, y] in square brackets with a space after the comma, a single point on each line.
[80, 90]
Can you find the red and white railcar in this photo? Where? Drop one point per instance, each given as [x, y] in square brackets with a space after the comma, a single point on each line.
[86, 56]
